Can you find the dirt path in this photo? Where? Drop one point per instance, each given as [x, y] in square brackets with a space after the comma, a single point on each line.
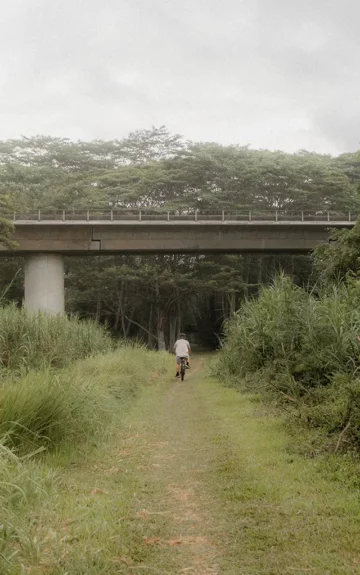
[199, 481]
[176, 461]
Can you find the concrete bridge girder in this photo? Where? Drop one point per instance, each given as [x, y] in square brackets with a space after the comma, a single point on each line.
[72, 238]
[45, 243]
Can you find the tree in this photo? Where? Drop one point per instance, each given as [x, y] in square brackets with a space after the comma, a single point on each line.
[339, 258]
[6, 225]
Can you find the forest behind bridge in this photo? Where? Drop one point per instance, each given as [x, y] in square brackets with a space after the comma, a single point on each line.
[153, 297]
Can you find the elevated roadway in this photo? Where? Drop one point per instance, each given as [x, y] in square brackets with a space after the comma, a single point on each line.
[139, 233]
[45, 238]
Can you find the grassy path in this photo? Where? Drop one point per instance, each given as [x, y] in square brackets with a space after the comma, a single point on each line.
[198, 481]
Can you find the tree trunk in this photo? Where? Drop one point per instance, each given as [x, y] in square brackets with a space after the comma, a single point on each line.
[178, 327]
[161, 340]
[292, 267]
[159, 320]
[232, 303]
[126, 326]
[220, 304]
[98, 308]
[172, 332]
[247, 277]
[260, 271]
[150, 337]
[118, 311]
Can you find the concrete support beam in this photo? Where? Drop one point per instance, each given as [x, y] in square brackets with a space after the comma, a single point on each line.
[101, 238]
[44, 283]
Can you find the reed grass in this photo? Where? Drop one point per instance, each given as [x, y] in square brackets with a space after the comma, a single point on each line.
[34, 341]
[302, 349]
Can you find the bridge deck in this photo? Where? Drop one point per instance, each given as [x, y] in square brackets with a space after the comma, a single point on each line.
[75, 237]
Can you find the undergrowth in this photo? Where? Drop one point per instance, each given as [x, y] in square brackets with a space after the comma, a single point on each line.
[302, 350]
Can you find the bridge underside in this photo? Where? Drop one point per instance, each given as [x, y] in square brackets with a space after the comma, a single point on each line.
[44, 244]
[84, 238]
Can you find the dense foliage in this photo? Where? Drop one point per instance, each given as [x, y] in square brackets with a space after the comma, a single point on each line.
[152, 297]
[303, 347]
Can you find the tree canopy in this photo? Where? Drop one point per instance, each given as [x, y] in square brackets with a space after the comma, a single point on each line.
[153, 297]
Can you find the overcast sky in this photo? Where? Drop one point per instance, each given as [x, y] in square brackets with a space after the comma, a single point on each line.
[278, 74]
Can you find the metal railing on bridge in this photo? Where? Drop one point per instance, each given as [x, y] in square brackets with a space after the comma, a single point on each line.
[147, 215]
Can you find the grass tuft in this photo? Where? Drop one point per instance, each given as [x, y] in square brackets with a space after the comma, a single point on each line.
[48, 409]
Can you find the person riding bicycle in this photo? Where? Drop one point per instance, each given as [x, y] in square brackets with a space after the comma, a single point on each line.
[181, 349]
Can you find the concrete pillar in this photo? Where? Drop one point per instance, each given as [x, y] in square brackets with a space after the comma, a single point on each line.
[44, 283]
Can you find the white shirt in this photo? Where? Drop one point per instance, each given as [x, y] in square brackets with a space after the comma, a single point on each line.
[181, 348]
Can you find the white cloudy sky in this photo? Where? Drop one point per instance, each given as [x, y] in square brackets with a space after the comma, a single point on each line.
[281, 74]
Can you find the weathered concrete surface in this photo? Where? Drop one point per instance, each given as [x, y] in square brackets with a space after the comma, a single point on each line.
[45, 243]
[44, 283]
[141, 237]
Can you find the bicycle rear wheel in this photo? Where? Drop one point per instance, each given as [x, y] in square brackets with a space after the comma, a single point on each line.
[182, 370]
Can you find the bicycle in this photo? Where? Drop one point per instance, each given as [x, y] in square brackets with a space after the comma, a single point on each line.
[182, 367]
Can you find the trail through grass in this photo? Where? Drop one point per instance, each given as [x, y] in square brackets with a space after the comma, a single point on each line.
[196, 479]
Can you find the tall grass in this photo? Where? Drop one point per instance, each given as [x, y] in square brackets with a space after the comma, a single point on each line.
[35, 341]
[48, 409]
[51, 410]
[22, 483]
[302, 348]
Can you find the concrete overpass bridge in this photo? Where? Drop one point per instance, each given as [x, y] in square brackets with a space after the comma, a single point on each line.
[44, 238]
